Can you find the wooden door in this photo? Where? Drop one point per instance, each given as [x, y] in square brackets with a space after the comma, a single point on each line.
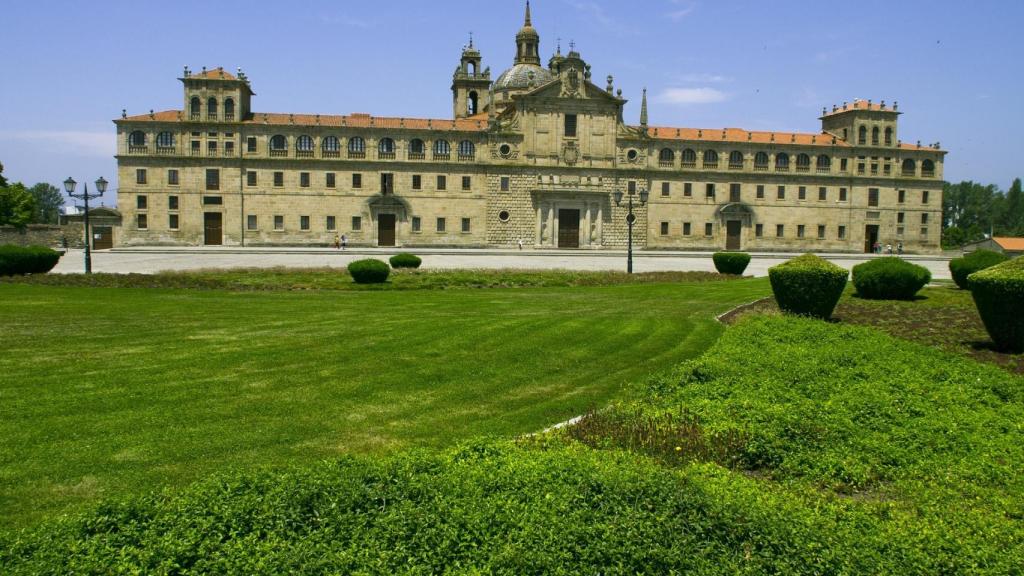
[870, 237]
[385, 230]
[102, 237]
[213, 228]
[568, 228]
[733, 229]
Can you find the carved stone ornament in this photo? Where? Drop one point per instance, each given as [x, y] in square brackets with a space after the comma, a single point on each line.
[571, 84]
[570, 153]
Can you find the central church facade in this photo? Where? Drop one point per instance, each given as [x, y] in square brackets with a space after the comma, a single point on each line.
[536, 155]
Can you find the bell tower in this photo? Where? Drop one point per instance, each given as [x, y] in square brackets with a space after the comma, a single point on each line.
[470, 84]
[527, 42]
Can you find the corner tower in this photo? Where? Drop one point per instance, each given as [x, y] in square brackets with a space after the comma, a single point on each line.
[470, 85]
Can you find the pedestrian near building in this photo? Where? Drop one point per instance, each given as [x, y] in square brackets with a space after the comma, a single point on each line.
[344, 241]
[337, 242]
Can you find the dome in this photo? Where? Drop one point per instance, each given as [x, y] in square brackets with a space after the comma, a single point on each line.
[518, 77]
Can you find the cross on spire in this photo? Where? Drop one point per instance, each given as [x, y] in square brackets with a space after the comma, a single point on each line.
[470, 38]
[572, 45]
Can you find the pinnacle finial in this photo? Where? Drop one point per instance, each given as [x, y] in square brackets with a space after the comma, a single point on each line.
[527, 21]
[470, 38]
[643, 109]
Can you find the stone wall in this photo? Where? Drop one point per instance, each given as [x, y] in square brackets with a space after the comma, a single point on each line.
[48, 235]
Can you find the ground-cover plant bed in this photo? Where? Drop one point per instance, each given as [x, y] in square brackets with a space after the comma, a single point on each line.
[335, 279]
[107, 392]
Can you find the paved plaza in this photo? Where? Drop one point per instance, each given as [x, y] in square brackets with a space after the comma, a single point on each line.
[153, 259]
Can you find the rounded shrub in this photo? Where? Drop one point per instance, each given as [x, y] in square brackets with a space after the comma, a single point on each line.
[405, 260]
[16, 260]
[889, 278]
[731, 262]
[998, 293]
[976, 261]
[369, 271]
[808, 285]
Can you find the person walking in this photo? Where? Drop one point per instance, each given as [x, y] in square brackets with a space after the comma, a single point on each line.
[899, 248]
[344, 241]
[520, 243]
[337, 242]
[888, 249]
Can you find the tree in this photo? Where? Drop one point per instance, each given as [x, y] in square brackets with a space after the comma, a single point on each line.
[3, 181]
[1013, 215]
[17, 206]
[972, 207]
[48, 202]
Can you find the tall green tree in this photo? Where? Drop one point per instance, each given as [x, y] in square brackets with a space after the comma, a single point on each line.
[1013, 215]
[3, 181]
[48, 202]
[971, 207]
[17, 206]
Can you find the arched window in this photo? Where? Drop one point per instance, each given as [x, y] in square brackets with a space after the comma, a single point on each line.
[710, 159]
[824, 163]
[278, 143]
[909, 167]
[356, 145]
[888, 136]
[862, 135]
[803, 162]
[466, 149]
[927, 168]
[165, 140]
[137, 139]
[229, 109]
[416, 148]
[386, 146]
[304, 143]
[666, 156]
[735, 159]
[211, 109]
[471, 104]
[782, 161]
[874, 135]
[194, 107]
[442, 148]
[331, 144]
[761, 161]
[689, 158]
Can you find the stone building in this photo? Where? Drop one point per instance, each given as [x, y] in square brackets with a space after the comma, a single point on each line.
[534, 155]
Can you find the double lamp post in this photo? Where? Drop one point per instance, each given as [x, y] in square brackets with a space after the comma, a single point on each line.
[101, 187]
[630, 219]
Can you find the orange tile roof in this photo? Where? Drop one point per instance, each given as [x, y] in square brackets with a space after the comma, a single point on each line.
[859, 104]
[1009, 243]
[217, 73]
[476, 123]
[737, 135]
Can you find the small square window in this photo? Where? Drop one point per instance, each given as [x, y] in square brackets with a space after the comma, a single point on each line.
[440, 224]
[304, 223]
[250, 222]
[709, 189]
[172, 177]
[664, 228]
[141, 202]
[781, 193]
[709, 229]
[357, 223]
[278, 179]
[172, 221]
[760, 191]
[842, 232]
[688, 189]
[899, 230]
[802, 193]
[821, 231]
[800, 230]
[467, 183]
[822, 194]
[332, 223]
[142, 221]
[842, 194]
[780, 230]
[172, 202]
[504, 183]
[140, 176]
[329, 180]
[924, 231]
[924, 218]
[416, 224]
[442, 182]
[278, 222]
[465, 225]
[686, 228]
[250, 144]
[666, 189]
[212, 179]
[304, 179]
[357, 180]
[251, 178]
[417, 182]
[759, 230]
[212, 201]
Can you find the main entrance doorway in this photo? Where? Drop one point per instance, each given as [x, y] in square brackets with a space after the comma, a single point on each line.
[568, 228]
[870, 237]
[102, 237]
[733, 229]
[385, 230]
[213, 228]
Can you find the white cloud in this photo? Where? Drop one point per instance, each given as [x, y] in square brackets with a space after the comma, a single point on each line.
[685, 96]
[74, 143]
[704, 78]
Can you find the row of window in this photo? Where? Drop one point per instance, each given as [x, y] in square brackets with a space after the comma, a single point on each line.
[195, 108]
[735, 192]
[330, 224]
[305, 145]
[783, 161]
[305, 178]
[665, 229]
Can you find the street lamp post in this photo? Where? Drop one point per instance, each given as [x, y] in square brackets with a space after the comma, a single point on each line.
[630, 219]
[101, 187]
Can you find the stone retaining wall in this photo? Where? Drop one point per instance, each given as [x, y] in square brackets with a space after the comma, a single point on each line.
[49, 235]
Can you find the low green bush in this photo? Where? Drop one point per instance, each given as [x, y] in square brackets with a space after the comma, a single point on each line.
[808, 285]
[976, 261]
[731, 262]
[405, 260]
[16, 260]
[369, 271]
[889, 278]
[998, 293]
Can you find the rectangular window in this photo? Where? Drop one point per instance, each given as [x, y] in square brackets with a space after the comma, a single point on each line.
[416, 224]
[250, 178]
[387, 183]
[665, 189]
[442, 182]
[781, 193]
[688, 189]
[860, 168]
[842, 164]
[631, 187]
[140, 176]
[734, 192]
[172, 221]
[901, 196]
[760, 191]
[357, 223]
[709, 229]
[229, 148]
[842, 194]
[924, 232]
[278, 222]
[504, 183]
[872, 196]
[899, 230]
[709, 190]
[250, 144]
[250, 221]
[822, 194]
[759, 230]
[821, 231]
[211, 148]
[172, 177]
[570, 125]
[303, 222]
[924, 218]
[686, 228]
[357, 180]
[664, 228]
[842, 232]
[924, 197]
[440, 224]
[141, 221]
[800, 228]
[329, 179]
[465, 225]
[332, 223]
[467, 183]
[801, 192]
[417, 182]
[278, 179]
[195, 148]
[212, 179]
[172, 202]
[304, 179]
[780, 230]
[141, 202]
[212, 201]
[899, 217]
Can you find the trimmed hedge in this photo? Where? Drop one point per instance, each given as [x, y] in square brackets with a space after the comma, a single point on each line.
[808, 285]
[999, 295]
[17, 260]
[731, 262]
[889, 278]
[976, 261]
[405, 260]
[369, 271]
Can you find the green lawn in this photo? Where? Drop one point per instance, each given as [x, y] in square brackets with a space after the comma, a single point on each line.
[108, 392]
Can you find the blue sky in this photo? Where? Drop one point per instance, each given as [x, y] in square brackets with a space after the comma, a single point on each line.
[954, 66]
